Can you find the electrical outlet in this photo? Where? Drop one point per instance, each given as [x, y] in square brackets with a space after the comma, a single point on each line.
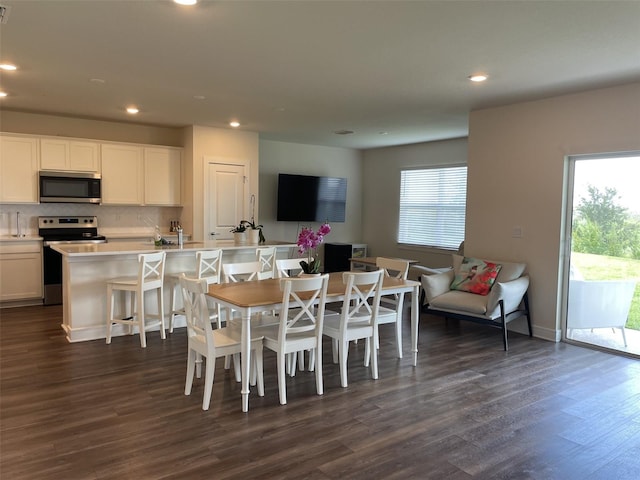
[516, 232]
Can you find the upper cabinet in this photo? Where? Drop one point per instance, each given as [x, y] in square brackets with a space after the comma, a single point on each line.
[162, 176]
[136, 175]
[122, 174]
[132, 174]
[69, 155]
[18, 169]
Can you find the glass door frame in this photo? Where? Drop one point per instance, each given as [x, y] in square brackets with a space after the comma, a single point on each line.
[566, 239]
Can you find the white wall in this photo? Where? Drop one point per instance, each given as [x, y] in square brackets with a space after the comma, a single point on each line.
[42, 124]
[517, 157]
[381, 180]
[219, 145]
[282, 157]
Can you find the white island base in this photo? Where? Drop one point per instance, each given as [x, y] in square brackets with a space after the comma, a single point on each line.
[86, 269]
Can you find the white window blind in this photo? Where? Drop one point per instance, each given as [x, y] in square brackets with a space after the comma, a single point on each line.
[432, 206]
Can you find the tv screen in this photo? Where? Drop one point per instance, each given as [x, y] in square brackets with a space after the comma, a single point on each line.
[306, 198]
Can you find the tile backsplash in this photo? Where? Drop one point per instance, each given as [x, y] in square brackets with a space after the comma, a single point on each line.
[111, 219]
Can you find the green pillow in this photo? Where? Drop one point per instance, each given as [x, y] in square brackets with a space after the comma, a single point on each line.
[475, 276]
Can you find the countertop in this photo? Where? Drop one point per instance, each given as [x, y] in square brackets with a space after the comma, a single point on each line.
[138, 235]
[124, 248]
[12, 238]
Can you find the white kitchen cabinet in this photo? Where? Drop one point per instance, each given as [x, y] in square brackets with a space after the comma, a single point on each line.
[69, 155]
[18, 169]
[20, 270]
[162, 176]
[122, 174]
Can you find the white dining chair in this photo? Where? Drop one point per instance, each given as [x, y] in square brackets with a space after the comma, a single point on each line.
[204, 341]
[288, 267]
[391, 306]
[150, 277]
[357, 319]
[285, 268]
[266, 256]
[208, 266]
[299, 327]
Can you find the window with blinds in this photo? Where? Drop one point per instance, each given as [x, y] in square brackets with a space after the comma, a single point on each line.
[432, 206]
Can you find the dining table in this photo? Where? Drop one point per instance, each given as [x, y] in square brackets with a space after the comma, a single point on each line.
[250, 297]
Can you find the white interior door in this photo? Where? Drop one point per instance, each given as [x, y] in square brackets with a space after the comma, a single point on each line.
[227, 184]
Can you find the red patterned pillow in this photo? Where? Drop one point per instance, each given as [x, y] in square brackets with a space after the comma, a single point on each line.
[475, 276]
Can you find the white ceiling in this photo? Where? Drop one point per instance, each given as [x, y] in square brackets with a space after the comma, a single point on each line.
[297, 71]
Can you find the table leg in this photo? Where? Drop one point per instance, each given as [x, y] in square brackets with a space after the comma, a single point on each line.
[415, 317]
[245, 360]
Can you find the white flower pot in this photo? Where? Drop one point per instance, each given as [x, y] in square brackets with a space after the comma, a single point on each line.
[253, 236]
[239, 237]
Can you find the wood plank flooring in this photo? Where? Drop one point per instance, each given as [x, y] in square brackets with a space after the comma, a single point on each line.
[468, 410]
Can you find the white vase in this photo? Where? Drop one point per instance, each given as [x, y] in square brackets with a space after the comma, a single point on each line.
[302, 274]
[253, 236]
[239, 237]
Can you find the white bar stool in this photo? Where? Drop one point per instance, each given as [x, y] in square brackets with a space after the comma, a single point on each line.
[150, 277]
[208, 267]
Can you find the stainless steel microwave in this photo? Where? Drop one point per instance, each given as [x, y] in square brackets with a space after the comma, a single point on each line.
[70, 187]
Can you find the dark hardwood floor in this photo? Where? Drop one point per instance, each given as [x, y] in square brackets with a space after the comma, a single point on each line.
[468, 410]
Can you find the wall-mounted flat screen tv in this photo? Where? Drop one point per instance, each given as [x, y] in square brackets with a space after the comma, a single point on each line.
[306, 198]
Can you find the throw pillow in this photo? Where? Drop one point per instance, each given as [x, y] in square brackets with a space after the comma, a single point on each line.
[475, 276]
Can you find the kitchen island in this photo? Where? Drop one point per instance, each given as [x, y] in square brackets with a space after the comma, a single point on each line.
[87, 267]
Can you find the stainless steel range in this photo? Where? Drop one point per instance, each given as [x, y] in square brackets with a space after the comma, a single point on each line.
[59, 230]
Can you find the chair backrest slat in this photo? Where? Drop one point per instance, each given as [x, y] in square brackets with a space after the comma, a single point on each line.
[286, 267]
[195, 307]
[266, 256]
[236, 272]
[151, 269]
[209, 264]
[362, 298]
[303, 304]
[393, 267]
[397, 268]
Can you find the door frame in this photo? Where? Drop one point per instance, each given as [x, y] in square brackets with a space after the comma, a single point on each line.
[567, 233]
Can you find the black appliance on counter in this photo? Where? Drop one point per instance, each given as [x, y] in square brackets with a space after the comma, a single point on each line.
[61, 230]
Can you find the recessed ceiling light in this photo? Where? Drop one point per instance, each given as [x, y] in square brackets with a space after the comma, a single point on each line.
[97, 80]
[343, 132]
[234, 124]
[8, 66]
[132, 110]
[478, 77]
[186, 2]
[199, 97]
[383, 133]
[3, 94]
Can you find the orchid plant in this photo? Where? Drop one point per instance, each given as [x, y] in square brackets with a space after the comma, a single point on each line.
[308, 242]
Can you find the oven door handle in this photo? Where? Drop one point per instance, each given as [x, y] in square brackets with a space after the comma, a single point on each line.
[71, 242]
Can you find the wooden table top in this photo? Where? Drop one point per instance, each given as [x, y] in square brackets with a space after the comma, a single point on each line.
[373, 260]
[267, 292]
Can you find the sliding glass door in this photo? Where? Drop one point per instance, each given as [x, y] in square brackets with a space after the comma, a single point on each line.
[603, 294]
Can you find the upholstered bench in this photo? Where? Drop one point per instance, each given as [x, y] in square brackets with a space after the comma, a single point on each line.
[483, 291]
